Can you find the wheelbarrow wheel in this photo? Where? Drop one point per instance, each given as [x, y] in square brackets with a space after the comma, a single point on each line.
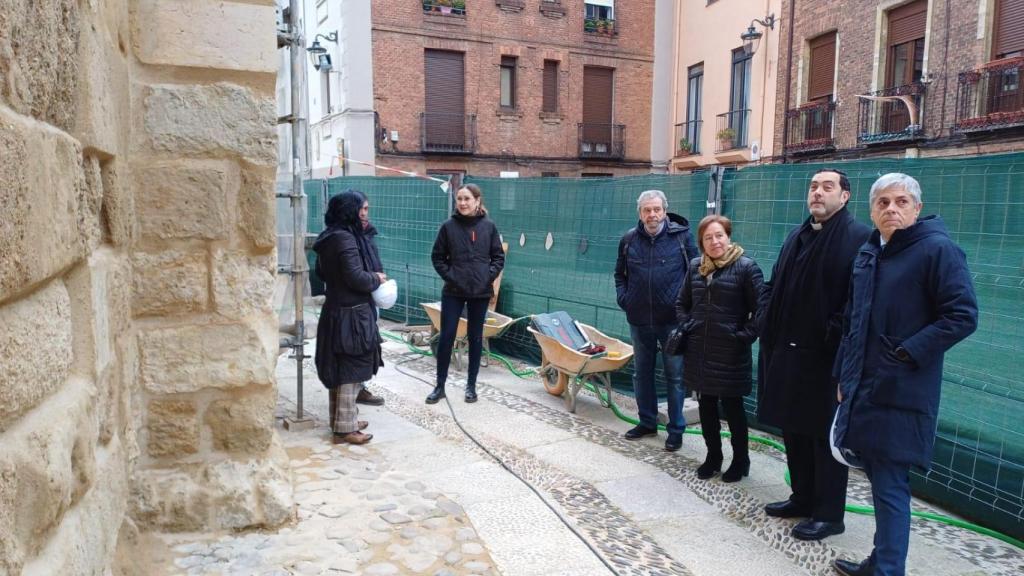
[555, 382]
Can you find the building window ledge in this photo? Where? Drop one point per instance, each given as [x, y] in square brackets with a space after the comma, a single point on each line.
[552, 8]
[508, 114]
[510, 5]
[552, 117]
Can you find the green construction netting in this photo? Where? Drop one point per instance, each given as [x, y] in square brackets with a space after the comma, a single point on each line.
[978, 467]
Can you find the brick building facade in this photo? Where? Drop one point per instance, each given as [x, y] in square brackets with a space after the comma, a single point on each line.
[518, 43]
[900, 78]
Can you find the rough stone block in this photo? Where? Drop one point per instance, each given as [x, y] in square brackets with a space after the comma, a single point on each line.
[170, 282]
[35, 349]
[38, 58]
[169, 500]
[118, 206]
[242, 424]
[242, 284]
[90, 202]
[99, 299]
[173, 428]
[257, 208]
[190, 358]
[102, 102]
[85, 540]
[182, 201]
[191, 33]
[41, 231]
[211, 120]
[46, 465]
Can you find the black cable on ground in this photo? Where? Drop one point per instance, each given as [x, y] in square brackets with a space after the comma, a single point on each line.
[561, 518]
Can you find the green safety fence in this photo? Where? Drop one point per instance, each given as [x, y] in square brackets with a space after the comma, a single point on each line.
[978, 466]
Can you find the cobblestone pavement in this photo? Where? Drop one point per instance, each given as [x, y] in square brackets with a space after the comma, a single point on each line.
[424, 498]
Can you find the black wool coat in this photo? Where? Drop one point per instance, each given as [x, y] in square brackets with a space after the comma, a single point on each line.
[467, 255]
[802, 323]
[348, 341]
[719, 315]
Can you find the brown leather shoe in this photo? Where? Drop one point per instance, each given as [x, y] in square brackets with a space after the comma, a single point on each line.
[368, 398]
[352, 438]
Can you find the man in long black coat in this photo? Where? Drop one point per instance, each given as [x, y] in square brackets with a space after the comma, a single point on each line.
[800, 334]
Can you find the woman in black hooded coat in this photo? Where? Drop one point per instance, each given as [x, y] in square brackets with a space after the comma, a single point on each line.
[348, 348]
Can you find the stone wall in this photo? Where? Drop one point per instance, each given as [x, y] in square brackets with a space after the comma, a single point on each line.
[137, 151]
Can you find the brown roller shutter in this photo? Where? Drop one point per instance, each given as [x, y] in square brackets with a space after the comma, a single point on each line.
[1009, 27]
[908, 22]
[597, 104]
[550, 102]
[445, 104]
[823, 66]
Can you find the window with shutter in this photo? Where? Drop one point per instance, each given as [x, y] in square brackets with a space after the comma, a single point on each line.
[905, 54]
[550, 94]
[444, 86]
[822, 67]
[1008, 33]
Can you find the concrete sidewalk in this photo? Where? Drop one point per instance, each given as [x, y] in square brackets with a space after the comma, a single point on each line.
[422, 498]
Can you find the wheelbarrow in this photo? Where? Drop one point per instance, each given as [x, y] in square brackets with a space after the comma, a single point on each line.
[564, 371]
[494, 326]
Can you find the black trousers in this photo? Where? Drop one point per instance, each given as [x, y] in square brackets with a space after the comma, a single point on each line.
[476, 313]
[818, 481]
[710, 426]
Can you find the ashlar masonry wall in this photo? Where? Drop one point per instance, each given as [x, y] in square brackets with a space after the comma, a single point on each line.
[137, 343]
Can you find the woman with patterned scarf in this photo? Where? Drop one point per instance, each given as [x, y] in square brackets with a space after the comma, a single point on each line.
[717, 309]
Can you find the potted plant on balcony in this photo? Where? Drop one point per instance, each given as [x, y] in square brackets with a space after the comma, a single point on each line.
[604, 27]
[459, 6]
[684, 147]
[444, 5]
[725, 138]
[589, 25]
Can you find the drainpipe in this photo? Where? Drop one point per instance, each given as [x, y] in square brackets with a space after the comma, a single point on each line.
[789, 77]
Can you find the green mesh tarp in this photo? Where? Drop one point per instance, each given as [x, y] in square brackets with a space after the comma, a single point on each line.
[978, 468]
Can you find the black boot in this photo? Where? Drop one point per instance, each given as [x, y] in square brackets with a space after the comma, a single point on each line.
[436, 395]
[470, 393]
[740, 465]
[712, 465]
[737, 470]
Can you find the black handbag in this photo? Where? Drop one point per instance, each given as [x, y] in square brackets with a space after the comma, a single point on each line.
[675, 345]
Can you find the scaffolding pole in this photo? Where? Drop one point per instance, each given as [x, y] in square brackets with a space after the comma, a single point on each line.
[298, 270]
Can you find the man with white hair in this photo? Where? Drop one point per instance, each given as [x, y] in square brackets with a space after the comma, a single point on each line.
[911, 300]
[652, 261]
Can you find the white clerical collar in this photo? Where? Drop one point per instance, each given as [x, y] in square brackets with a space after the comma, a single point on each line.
[816, 225]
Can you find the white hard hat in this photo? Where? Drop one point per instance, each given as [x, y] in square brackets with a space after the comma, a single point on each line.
[386, 294]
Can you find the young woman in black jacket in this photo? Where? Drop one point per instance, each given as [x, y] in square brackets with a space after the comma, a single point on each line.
[717, 307]
[347, 340]
[467, 255]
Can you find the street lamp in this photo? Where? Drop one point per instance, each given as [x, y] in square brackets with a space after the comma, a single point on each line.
[318, 54]
[751, 38]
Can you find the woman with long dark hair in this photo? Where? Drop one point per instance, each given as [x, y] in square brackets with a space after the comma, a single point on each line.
[717, 308]
[348, 348]
[467, 255]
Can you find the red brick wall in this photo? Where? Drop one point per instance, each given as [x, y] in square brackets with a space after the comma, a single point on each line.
[855, 23]
[401, 32]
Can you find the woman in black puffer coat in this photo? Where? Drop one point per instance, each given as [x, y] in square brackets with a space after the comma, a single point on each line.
[347, 340]
[467, 255]
[717, 308]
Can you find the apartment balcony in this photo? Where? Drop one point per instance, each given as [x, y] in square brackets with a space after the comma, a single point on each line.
[455, 8]
[809, 128]
[686, 145]
[891, 115]
[990, 97]
[731, 136]
[600, 28]
[602, 141]
[446, 133]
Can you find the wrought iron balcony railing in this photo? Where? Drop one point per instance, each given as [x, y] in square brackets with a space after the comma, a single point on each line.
[687, 138]
[602, 141]
[991, 97]
[445, 7]
[600, 27]
[891, 115]
[447, 133]
[731, 130]
[809, 127]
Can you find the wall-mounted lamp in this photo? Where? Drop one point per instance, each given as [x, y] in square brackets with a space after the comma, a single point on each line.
[318, 54]
[751, 38]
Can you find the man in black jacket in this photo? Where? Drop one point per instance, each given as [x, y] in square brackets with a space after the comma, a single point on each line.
[800, 334]
[652, 262]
